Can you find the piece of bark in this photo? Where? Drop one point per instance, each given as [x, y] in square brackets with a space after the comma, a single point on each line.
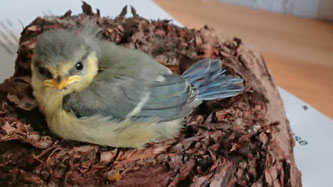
[241, 141]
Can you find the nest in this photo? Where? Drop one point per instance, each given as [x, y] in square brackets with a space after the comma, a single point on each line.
[240, 141]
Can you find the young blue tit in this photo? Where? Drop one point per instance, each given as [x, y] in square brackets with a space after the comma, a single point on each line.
[92, 90]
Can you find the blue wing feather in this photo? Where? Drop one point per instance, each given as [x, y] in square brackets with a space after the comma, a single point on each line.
[167, 100]
[208, 77]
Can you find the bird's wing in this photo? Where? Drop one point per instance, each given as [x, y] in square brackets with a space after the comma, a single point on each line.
[169, 98]
[164, 99]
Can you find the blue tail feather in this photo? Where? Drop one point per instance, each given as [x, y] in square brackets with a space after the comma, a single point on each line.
[208, 77]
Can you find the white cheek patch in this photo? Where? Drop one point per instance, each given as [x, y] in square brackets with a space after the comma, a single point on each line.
[160, 78]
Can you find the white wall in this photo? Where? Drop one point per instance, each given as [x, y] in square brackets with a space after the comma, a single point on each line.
[322, 9]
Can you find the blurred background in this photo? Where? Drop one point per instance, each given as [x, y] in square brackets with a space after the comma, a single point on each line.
[321, 9]
[298, 50]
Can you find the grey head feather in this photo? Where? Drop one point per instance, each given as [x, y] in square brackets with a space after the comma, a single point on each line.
[90, 32]
[57, 46]
[88, 29]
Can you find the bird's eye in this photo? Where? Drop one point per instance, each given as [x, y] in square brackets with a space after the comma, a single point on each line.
[79, 66]
[43, 71]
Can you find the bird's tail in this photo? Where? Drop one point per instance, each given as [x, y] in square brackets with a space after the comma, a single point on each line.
[208, 77]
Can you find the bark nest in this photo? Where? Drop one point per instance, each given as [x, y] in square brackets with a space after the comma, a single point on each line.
[241, 141]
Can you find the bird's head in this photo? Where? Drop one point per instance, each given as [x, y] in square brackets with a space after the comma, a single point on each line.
[63, 61]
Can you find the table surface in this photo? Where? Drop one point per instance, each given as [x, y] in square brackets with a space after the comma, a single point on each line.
[298, 51]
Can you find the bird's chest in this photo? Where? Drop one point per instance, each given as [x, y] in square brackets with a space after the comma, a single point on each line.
[58, 120]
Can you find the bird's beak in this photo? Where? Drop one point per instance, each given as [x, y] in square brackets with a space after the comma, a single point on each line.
[62, 84]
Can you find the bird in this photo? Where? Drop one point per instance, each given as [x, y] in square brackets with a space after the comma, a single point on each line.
[95, 91]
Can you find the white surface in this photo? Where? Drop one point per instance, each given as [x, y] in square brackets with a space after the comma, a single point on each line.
[6, 64]
[313, 135]
[310, 126]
